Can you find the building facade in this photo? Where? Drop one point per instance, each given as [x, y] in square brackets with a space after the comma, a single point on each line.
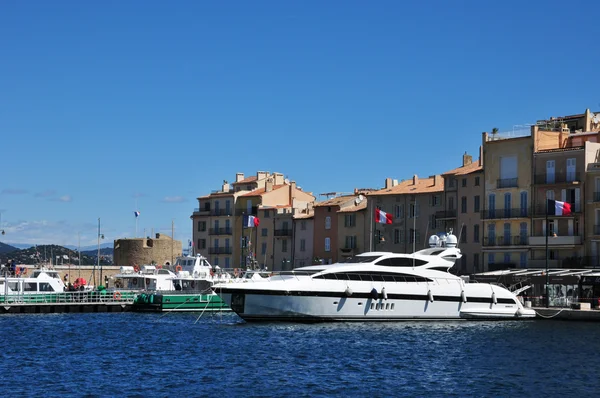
[144, 251]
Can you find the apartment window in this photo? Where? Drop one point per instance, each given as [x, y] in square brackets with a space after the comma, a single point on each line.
[327, 244]
[350, 242]
[523, 260]
[327, 222]
[398, 211]
[328, 209]
[463, 204]
[435, 200]
[476, 181]
[201, 226]
[451, 203]
[463, 235]
[476, 261]
[267, 214]
[227, 262]
[201, 243]
[264, 232]
[463, 263]
[302, 245]
[476, 233]
[263, 248]
[451, 182]
[506, 258]
[303, 225]
[432, 221]
[349, 220]
[414, 236]
[414, 210]
[396, 235]
[464, 182]
[491, 258]
[216, 261]
[284, 245]
[476, 203]
[228, 211]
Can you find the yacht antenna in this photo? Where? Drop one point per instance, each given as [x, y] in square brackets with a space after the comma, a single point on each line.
[459, 234]
[414, 230]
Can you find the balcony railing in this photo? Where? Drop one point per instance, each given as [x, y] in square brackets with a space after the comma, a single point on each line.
[221, 212]
[540, 209]
[220, 231]
[253, 211]
[558, 178]
[555, 240]
[283, 232]
[507, 183]
[509, 240]
[220, 250]
[445, 214]
[490, 214]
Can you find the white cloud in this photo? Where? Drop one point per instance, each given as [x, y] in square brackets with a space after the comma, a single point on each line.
[174, 199]
[65, 198]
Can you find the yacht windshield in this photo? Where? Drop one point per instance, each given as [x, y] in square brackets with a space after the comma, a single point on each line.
[360, 259]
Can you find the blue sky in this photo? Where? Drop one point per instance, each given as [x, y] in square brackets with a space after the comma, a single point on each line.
[107, 104]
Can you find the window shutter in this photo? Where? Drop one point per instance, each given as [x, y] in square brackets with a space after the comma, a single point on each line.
[577, 199]
[418, 209]
[563, 195]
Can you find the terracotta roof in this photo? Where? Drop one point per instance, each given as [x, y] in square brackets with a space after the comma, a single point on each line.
[274, 207]
[351, 209]
[216, 194]
[304, 215]
[245, 180]
[576, 148]
[462, 170]
[260, 191]
[337, 201]
[424, 185]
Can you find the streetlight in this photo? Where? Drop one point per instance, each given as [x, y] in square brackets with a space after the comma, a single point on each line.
[100, 236]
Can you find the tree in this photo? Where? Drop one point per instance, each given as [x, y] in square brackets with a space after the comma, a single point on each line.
[494, 132]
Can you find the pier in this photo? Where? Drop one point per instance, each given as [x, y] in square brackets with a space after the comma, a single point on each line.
[68, 302]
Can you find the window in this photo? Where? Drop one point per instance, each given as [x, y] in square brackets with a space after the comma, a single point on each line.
[350, 242]
[227, 262]
[506, 258]
[263, 248]
[491, 258]
[327, 222]
[476, 233]
[228, 209]
[476, 261]
[303, 225]
[202, 243]
[463, 204]
[349, 220]
[463, 235]
[414, 236]
[463, 263]
[267, 214]
[399, 211]
[414, 210]
[396, 235]
[228, 226]
[523, 260]
[284, 245]
[201, 226]
[451, 203]
[476, 181]
[524, 204]
[327, 244]
[302, 245]
[264, 232]
[464, 182]
[476, 204]
[216, 261]
[435, 200]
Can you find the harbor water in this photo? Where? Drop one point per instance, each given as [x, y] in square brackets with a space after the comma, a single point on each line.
[177, 354]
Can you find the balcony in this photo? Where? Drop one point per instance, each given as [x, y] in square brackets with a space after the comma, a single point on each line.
[445, 214]
[220, 231]
[220, 250]
[221, 212]
[253, 211]
[508, 240]
[540, 209]
[490, 214]
[507, 183]
[558, 178]
[283, 232]
[203, 211]
[555, 240]
[349, 251]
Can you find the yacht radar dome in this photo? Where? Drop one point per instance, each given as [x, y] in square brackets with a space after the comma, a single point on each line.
[434, 241]
[451, 240]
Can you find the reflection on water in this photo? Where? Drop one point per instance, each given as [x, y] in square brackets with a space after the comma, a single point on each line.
[165, 355]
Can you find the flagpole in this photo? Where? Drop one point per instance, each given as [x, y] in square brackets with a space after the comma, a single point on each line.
[244, 244]
[547, 255]
[372, 233]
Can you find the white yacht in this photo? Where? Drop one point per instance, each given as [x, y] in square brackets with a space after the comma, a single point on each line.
[41, 281]
[148, 277]
[375, 286]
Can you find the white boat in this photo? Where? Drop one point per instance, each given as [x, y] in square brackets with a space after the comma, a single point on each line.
[375, 286]
[41, 281]
[148, 277]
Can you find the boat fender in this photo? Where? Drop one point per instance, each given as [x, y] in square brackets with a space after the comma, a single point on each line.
[494, 299]
[384, 293]
[374, 294]
[520, 312]
[430, 296]
[348, 291]
[463, 296]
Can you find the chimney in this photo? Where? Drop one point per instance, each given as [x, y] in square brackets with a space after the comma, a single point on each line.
[467, 159]
[261, 175]
[239, 177]
[394, 183]
[415, 179]
[225, 187]
[269, 185]
[388, 183]
[435, 180]
[480, 155]
[292, 191]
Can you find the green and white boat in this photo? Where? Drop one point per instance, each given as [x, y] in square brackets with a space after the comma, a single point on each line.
[189, 288]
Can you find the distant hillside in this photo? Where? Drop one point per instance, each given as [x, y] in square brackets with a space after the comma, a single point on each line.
[107, 251]
[58, 254]
[4, 248]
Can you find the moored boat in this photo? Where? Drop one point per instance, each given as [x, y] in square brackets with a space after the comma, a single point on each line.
[375, 286]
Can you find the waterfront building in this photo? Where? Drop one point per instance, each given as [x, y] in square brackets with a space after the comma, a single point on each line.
[325, 238]
[161, 249]
[218, 222]
[462, 202]
[304, 225]
[413, 204]
[506, 215]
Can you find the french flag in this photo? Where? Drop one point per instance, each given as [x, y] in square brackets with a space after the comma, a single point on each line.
[137, 214]
[382, 217]
[556, 208]
[251, 221]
